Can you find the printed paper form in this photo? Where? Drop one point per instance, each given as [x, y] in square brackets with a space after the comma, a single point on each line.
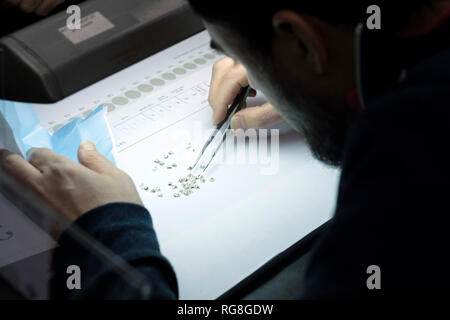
[228, 228]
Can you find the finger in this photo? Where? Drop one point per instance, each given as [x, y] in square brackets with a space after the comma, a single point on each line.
[92, 159]
[42, 158]
[47, 6]
[256, 117]
[18, 168]
[220, 68]
[227, 80]
[29, 6]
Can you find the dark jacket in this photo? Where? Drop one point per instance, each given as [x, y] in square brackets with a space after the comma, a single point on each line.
[392, 210]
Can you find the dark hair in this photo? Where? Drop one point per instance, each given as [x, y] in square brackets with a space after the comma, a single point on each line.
[252, 19]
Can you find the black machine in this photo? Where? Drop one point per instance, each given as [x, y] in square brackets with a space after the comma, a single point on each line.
[46, 61]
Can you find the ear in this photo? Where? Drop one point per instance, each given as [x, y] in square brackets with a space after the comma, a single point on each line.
[308, 33]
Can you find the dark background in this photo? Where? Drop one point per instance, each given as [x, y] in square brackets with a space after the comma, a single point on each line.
[11, 19]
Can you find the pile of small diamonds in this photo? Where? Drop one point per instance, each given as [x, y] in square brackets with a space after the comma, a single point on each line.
[186, 186]
[160, 163]
[190, 183]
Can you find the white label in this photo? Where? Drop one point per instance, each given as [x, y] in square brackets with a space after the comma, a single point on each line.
[91, 25]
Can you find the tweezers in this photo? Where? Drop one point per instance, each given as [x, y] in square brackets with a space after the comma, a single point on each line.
[221, 129]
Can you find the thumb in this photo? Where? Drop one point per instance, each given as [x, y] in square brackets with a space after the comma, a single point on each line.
[92, 159]
[256, 117]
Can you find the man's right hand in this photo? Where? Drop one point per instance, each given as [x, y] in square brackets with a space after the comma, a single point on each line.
[228, 78]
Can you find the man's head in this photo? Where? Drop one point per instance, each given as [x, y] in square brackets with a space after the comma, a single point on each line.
[301, 55]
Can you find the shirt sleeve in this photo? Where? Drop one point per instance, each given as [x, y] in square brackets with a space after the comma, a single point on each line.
[126, 230]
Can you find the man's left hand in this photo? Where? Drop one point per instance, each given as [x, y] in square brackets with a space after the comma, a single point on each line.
[68, 187]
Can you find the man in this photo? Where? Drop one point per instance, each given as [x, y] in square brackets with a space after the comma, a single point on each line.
[373, 102]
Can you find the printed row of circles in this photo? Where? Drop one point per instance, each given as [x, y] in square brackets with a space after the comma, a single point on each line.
[146, 88]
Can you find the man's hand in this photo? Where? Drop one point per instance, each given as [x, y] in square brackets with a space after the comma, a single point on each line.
[68, 187]
[227, 80]
[39, 7]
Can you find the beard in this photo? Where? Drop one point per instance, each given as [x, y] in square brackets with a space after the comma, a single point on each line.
[322, 122]
[325, 137]
[321, 118]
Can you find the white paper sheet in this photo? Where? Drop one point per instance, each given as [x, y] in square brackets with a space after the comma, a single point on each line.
[228, 228]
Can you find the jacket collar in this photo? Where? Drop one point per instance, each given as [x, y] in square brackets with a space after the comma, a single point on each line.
[383, 59]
